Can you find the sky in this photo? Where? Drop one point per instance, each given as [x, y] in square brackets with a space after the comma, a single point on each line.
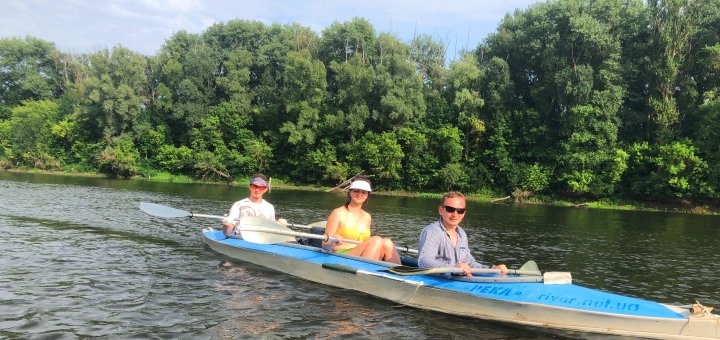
[85, 26]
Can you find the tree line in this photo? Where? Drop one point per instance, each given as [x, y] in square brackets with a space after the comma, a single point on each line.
[604, 99]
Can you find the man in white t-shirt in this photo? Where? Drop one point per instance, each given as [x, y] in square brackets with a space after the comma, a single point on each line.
[254, 205]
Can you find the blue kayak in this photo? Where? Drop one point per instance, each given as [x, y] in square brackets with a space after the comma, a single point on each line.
[554, 307]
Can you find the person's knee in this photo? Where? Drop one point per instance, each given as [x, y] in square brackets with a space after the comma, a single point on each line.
[375, 241]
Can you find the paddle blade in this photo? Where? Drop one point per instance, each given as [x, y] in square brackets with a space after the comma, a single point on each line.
[163, 211]
[406, 270]
[320, 224]
[530, 266]
[260, 237]
[261, 231]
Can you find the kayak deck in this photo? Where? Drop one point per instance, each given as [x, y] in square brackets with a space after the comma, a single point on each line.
[565, 307]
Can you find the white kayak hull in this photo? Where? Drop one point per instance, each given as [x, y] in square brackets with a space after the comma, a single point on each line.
[564, 309]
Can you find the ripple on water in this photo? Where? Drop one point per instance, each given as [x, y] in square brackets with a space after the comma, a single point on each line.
[82, 261]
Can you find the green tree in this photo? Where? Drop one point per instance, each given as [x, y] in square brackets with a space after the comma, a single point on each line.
[446, 144]
[342, 41]
[212, 156]
[322, 165]
[271, 60]
[419, 166]
[304, 86]
[590, 161]
[259, 155]
[353, 82]
[536, 178]
[176, 160]
[150, 144]
[381, 155]
[681, 172]
[675, 27]
[708, 129]
[452, 176]
[29, 137]
[564, 68]
[28, 72]
[464, 77]
[515, 138]
[119, 158]
[397, 85]
[235, 98]
[429, 57]
[184, 73]
[116, 90]
[672, 171]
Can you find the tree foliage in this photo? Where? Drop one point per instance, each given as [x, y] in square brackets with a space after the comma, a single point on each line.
[582, 99]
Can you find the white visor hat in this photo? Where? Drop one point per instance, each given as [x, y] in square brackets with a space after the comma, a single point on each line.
[360, 185]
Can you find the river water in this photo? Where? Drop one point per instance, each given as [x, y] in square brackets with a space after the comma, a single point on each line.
[81, 260]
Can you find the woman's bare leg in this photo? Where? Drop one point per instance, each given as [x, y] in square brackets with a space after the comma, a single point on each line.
[371, 249]
[390, 254]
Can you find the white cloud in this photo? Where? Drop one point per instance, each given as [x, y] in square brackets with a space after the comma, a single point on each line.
[144, 25]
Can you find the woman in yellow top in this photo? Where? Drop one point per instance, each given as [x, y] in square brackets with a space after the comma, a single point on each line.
[351, 222]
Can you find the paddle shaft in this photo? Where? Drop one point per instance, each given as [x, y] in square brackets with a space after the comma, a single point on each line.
[207, 216]
[402, 270]
[448, 271]
[314, 236]
[490, 270]
[399, 248]
[472, 270]
[169, 212]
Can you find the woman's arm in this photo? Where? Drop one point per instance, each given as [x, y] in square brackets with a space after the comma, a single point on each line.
[331, 227]
[369, 220]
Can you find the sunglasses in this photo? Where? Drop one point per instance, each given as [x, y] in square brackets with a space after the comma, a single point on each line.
[453, 209]
[257, 187]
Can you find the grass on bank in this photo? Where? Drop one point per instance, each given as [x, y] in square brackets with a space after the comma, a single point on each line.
[482, 196]
[486, 197]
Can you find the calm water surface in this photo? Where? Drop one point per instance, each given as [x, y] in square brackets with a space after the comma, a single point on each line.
[80, 260]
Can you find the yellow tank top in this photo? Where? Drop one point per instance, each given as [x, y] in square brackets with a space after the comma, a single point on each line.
[352, 232]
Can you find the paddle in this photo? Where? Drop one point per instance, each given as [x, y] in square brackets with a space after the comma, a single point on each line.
[257, 226]
[265, 226]
[168, 212]
[529, 268]
[263, 231]
[320, 224]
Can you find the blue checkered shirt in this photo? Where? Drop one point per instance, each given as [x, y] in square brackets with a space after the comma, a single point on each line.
[436, 250]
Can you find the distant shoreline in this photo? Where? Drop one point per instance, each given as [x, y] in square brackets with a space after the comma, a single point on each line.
[630, 206]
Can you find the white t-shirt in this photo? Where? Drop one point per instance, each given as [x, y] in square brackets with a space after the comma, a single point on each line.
[246, 207]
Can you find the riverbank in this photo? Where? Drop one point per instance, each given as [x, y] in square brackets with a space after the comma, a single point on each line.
[684, 207]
